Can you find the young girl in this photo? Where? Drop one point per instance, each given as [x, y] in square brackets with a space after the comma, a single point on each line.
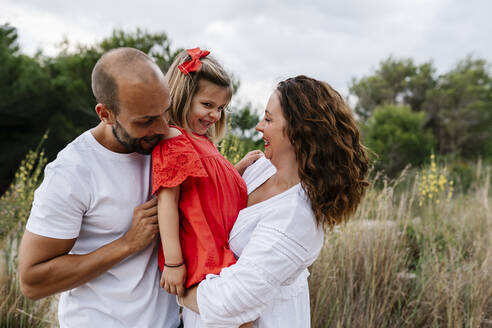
[199, 192]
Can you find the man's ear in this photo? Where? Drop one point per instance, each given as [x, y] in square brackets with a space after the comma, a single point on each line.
[105, 114]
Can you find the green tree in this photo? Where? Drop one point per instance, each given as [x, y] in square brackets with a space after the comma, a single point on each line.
[396, 81]
[71, 74]
[40, 93]
[457, 104]
[156, 45]
[459, 109]
[244, 120]
[398, 137]
[24, 84]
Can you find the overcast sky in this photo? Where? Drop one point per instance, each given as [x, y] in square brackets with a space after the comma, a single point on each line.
[263, 42]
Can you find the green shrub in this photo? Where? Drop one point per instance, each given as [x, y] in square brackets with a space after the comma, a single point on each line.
[398, 137]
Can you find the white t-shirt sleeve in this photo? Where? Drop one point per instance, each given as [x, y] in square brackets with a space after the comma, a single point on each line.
[273, 257]
[59, 204]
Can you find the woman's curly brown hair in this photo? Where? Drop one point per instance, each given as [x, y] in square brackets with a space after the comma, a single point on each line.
[332, 161]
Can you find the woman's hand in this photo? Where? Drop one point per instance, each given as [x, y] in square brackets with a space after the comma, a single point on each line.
[173, 279]
[247, 160]
[189, 301]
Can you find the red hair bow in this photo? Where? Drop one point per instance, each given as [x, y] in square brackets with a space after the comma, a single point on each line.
[194, 64]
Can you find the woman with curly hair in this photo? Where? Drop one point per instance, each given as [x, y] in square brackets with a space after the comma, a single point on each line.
[312, 177]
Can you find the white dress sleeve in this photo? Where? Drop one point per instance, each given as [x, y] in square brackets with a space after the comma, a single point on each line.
[282, 245]
[257, 173]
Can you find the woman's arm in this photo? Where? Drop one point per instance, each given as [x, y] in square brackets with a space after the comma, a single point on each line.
[173, 278]
[189, 300]
[273, 257]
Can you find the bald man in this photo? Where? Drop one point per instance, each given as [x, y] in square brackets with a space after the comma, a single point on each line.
[92, 229]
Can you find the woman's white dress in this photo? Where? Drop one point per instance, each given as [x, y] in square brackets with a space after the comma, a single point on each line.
[275, 241]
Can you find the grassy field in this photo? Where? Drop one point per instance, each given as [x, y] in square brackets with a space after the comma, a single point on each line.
[416, 254]
[15, 205]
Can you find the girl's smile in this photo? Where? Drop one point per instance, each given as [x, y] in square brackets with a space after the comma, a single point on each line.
[206, 106]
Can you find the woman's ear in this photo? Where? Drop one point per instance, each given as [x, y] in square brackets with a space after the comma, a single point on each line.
[105, 114]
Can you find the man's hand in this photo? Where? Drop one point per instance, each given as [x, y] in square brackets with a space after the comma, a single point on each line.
[173, 279]
[247, 160]
[144, 226]
[46, 267]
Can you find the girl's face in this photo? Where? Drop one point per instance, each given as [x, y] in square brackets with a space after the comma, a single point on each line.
[272, 126]
[207, 106]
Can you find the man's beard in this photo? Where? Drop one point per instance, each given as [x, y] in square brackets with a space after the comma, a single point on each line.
[134, 145]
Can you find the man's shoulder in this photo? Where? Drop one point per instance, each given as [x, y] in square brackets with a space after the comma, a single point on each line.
[74, 157]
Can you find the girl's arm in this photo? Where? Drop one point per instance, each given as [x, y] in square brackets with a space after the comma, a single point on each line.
[173, 278]
[247, 160]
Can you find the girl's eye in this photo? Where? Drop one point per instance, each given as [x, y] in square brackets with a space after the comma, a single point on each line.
[267, 119]
[208, 105]
[220, 109]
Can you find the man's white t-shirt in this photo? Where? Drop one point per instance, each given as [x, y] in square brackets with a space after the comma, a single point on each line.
[89, 193]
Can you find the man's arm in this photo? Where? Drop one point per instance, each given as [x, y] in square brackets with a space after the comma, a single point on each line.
[46, 268]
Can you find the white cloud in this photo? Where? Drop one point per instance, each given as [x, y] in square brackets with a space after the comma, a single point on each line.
[41, 29]
[263, 41]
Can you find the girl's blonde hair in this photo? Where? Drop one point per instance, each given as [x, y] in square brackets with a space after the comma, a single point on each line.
[183, 88]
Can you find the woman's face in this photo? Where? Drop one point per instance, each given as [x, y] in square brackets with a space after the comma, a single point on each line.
[272, 125]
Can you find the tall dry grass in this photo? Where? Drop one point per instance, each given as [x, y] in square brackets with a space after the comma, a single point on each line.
[15, 204]
[395, 264]
[399, 264]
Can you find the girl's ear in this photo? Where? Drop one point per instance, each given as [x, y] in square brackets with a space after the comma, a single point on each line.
[105, 114]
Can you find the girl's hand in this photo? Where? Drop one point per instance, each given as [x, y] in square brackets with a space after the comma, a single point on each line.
[173, 279]
[247, 325]
[247, 160]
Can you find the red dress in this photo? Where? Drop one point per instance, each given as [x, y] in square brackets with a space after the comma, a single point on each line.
[211, 195]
